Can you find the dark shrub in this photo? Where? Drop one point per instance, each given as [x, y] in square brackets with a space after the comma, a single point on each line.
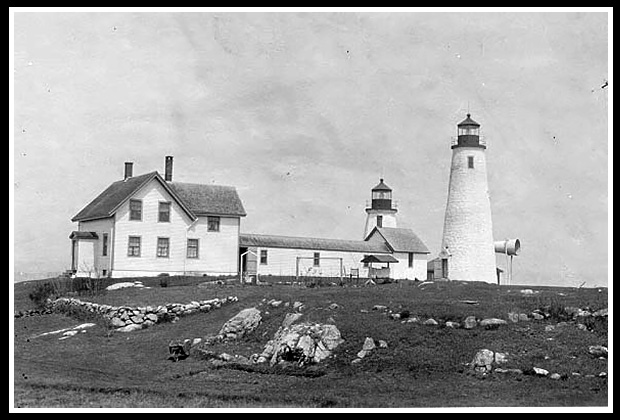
[41, 293]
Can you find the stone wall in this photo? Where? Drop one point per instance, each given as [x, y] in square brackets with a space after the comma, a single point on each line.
[126, 318]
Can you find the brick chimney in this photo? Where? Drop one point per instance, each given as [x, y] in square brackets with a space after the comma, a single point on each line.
[128, 170]
[168, 171]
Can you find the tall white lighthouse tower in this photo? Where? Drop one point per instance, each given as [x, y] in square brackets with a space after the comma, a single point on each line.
[468, 230]
[382, 212]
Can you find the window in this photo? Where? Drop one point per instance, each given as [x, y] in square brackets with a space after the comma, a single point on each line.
[263, 256]
[135, 209]
[470, 162]
[133, 249]
[410, 259]
[213, 224]
[104, 273]
[317, 259]
[104, 245]
[163, 247]
[164, 212]
[379, 221]
[192, 248]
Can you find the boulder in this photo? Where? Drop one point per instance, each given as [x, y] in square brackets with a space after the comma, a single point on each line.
[540, 371]
[470, 322]
[598, 351]
[137, 319]
[243, 323]
[600, 312]
[500, 357]
[483, 361]
[151, 317]
[430, 321]
[491, 323]
[513, 316]
[117, 322]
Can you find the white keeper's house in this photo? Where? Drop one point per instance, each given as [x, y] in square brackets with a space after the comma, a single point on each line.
[147, 225]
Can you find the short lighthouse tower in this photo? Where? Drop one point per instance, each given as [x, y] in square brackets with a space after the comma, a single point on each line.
[468, 230]
[381, 213]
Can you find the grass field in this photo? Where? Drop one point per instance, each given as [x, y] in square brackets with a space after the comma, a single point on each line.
[424, 366]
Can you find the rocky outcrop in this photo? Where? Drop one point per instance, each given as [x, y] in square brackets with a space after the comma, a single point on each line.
[301, 343]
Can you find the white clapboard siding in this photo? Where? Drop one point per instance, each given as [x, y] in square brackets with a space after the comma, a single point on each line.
[217, 250]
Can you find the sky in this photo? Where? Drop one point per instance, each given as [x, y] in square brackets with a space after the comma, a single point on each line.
[304, 112]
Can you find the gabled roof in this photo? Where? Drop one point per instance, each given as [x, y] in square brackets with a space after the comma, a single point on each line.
[112, 197]
[319, 244]
[203, 199]
[400, 240]
[195, 199]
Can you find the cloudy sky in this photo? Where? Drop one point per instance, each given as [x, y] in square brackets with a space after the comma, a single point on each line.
[303, 112]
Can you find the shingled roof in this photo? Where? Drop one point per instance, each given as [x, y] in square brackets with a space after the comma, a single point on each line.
[194, 199]
[323, 244]
[204, 199]
[401, 240]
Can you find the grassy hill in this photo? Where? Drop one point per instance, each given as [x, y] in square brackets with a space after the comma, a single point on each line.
[423, 366]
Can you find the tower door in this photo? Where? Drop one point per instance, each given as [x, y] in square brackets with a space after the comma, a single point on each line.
[444, 268]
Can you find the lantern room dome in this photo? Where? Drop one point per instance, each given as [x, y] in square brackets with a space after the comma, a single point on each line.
[468, 122]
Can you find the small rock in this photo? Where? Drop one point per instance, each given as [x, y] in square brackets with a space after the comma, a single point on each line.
[369, 344]
[523, 317]
[527, 291]
[70, 333]
[275, 303]
[540, 372]
[555, 376]
[513, 316]
[502, 370]
[151, 317]
[333, 306]
[395, 317]
[297, 305]
[383, 344]
[537, 316]
[575, 374]
[549, 328]
[582, 327]
[364, 311]
[470, 322]
[290, 318]
[196, 341]
[598, 351]
[356, 361]
[411, 320]
[430, 321]
[361, 354]
[602, 375]
[379, 308]
[452, 324]
[130, 328]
